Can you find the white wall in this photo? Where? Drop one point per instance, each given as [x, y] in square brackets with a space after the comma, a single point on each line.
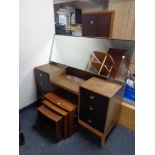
[36, 32]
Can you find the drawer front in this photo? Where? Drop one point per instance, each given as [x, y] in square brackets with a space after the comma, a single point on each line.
[43, 82]
[93, 109]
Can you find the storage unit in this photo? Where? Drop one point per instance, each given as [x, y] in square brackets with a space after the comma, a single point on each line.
[61, 112]
[97, 24]
[64, 104]
[43, 75]
[57, 119]
[99, 106]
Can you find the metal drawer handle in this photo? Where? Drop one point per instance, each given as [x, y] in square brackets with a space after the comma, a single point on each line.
[90, 121]
[58, 103]
[91, 22]
[40, 74]
[91, 108]
[92, 97]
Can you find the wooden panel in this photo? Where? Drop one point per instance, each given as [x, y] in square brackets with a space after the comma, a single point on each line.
[98, 24]
[52, 69]
[60, 112]
[59, 101]
[103, 87]
[127, 116]
[65, 105]
[124, 21]
[49, 114]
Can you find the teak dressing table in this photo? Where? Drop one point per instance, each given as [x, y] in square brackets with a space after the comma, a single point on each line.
[98, 100]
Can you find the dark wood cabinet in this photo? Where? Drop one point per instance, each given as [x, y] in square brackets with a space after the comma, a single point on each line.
[43, 76]
[99, 106]
[93, 108]
[97, 24]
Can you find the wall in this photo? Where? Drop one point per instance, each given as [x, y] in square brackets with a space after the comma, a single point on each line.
[36, 31]
[124, 20]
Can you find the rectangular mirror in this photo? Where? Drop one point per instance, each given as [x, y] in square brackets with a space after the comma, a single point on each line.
[102, 56]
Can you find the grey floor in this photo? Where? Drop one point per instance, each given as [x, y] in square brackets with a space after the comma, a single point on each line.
[120, 141]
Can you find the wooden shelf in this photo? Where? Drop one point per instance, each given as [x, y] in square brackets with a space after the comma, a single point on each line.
[68, 82]
[73, 28]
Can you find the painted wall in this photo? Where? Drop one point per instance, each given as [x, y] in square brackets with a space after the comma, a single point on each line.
[36, 34]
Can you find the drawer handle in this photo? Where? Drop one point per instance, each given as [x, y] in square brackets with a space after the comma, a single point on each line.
[58, 103]
[92, 97]
[91, 22]
[90, 121]
[91, 108]
[40, 74]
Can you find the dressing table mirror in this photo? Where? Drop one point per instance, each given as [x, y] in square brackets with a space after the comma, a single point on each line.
[105, 57]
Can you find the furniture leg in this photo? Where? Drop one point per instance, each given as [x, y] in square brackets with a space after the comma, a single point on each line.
[58, 130]
[102, 141]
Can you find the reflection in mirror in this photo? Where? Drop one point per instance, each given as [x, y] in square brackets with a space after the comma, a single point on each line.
[73, 17]
[95, 18]
[102, 56]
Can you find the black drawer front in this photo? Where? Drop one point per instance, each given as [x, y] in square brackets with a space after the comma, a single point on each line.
[43, 82]
[93, 108]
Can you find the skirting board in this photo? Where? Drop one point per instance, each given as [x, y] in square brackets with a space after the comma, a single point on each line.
[127, 116]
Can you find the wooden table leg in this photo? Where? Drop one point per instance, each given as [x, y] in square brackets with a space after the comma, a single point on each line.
[66, 130]
[102, 141]
[58, 130]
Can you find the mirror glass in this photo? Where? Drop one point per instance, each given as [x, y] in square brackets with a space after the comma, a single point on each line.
[102, 56]
[95, 18]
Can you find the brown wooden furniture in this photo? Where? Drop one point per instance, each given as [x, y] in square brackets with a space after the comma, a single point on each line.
[66, 105]
[99, 106]
[82, 85]
[120, 58]
[54, 118]
[61, 112]
[44, 74]
[102, 62]
[97, 24]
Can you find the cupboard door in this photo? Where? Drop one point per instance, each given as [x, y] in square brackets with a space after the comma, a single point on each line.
[103, 25]
[89, 25]
[97, 25]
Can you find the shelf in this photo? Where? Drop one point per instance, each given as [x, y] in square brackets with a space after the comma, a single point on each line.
[73, 28]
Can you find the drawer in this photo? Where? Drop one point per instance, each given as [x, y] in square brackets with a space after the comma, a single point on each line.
[93, 107]
[42, 81]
